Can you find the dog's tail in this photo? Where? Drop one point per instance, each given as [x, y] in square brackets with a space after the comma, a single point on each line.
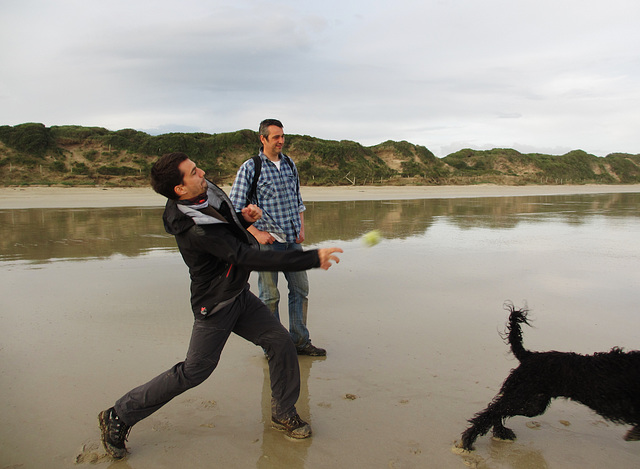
[514, 330]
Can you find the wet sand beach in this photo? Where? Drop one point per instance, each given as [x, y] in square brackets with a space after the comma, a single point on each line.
[74, 197]
[411, 327]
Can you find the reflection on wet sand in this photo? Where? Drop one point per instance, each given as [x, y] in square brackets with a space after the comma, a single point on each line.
[405, 218]
[276, 452]
[43, 235]
[507, 454]
[95, 300]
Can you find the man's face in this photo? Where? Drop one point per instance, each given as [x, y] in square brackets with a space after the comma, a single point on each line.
[274, 143]
[193, 181]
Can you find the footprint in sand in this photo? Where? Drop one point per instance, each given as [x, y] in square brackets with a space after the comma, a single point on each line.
[91, 453]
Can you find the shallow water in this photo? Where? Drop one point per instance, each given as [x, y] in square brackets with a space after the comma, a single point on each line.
[95, 301]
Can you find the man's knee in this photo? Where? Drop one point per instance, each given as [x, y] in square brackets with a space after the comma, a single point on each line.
[196, 371]
[276, 338]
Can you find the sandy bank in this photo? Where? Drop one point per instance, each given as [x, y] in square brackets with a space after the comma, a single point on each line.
[411, 327]
[77, 197]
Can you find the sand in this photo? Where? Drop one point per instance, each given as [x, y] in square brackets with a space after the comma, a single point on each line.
[77, 197]
[393, 392]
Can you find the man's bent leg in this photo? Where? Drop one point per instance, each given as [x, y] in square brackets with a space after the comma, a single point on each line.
[258, 325]
[262, 328]
[208, 338]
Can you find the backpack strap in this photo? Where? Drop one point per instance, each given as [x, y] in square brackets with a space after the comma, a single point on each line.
[257, 162]
[293, 170]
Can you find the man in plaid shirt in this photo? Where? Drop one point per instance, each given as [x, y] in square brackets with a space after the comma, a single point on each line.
[281, 227]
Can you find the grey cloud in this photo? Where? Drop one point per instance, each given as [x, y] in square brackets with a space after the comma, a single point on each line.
[438, 74]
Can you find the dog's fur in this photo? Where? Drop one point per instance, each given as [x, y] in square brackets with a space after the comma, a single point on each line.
[606, 382]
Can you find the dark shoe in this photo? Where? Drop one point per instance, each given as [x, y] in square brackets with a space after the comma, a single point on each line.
[294, 426]
[312, 350]
[114, 433]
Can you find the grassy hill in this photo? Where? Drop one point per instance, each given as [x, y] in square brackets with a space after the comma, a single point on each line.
[32, 154]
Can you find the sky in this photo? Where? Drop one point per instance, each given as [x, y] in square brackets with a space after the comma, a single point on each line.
[545, 76]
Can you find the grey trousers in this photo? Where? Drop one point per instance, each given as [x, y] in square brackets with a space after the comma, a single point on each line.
[247, 317]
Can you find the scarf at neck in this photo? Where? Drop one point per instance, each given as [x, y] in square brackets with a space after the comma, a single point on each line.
[198, 203]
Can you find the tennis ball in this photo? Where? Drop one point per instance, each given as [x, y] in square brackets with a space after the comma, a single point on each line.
[372, 238]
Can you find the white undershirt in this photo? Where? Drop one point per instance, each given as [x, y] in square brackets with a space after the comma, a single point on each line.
[277, 238]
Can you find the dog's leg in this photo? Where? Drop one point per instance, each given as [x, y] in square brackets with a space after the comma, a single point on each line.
[482, 423]
[633, 434]
[504, 409]
[513, 399]
[515, 402]
[503, 433]
[493, 416]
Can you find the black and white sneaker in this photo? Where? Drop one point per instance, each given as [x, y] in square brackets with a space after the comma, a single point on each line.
[113, 433]
[312, 350]
[294, 427]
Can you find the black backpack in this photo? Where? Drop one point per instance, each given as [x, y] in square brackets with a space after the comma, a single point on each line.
[257, 161]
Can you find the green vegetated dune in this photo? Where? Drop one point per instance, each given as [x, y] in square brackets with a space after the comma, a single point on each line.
[33, 154]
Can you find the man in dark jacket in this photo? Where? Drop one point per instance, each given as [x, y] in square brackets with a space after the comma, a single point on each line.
[220, 253]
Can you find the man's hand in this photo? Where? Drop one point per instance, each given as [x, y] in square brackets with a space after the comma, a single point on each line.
[326, 256]
[252, 213]
[263, 237]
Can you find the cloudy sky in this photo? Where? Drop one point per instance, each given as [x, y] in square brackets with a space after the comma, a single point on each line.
[544, 76]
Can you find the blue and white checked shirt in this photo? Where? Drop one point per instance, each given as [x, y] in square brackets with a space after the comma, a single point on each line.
[277, 193]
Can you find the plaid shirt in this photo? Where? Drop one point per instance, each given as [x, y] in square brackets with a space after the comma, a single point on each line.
[277, 194]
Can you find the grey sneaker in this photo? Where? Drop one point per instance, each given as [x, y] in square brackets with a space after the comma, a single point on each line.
[113, 433]
[312, 350]
[294, 426]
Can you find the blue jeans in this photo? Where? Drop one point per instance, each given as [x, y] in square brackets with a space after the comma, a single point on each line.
[298, 292]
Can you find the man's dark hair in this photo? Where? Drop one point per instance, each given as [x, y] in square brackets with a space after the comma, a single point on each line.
[264, 126]
[165, 174]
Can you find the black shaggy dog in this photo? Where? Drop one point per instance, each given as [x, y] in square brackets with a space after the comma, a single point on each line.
[606, 382]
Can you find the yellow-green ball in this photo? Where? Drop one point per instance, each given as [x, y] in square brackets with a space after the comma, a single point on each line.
[372, 238]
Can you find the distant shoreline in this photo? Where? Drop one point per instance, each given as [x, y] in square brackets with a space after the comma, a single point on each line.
[84, 197]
